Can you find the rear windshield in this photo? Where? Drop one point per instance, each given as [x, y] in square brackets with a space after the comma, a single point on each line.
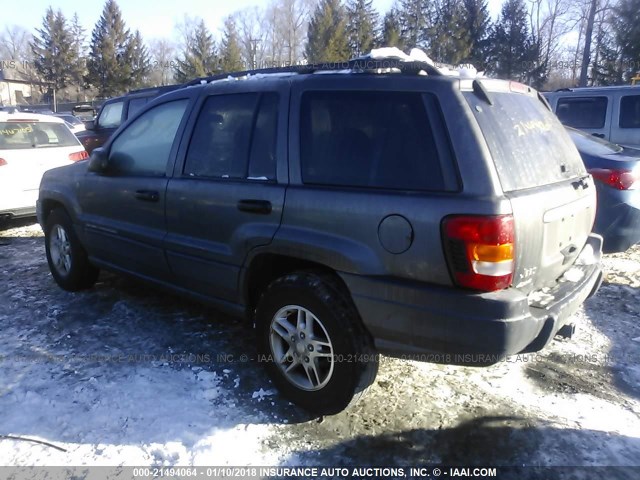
[530, 147]
[593, 145]
[25, 135]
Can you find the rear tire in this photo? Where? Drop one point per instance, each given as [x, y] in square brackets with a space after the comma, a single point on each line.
[67, 258]
[313, 343]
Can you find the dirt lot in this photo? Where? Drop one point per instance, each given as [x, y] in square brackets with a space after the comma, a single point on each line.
[126, 375]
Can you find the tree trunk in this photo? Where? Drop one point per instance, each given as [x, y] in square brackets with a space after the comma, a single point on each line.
[586, 53]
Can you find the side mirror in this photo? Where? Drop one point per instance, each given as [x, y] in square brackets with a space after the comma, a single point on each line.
[99, 160]
[90, 124]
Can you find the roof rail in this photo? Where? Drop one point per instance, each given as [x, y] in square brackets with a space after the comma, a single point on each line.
[161, 88]
[357, 65]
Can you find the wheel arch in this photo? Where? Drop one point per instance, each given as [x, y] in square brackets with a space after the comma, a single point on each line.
[266, 267]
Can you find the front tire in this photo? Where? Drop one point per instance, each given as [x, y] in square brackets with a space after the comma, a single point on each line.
[67, 258]
[313, 343]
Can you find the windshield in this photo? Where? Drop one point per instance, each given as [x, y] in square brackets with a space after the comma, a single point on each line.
[25, 135]
[529, 146]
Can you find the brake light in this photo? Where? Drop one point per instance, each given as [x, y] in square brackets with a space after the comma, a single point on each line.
[618, 179]
[77, 156]
[3, 162]
[480, 250]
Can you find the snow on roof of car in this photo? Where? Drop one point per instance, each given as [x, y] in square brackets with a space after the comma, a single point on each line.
[13, 115]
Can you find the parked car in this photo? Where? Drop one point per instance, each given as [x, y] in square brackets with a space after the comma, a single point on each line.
[30, 144]
[616, 170]
[84, 112]
[345, 213]
[611, 113]
[116, 111]
[74, 123]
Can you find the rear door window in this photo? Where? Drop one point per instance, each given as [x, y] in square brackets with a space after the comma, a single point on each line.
[583, 112]
[529, 146]
[235, 138]
[371, 140]
[630, 111]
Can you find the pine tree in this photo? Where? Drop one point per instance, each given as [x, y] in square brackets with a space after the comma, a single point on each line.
[607, 68]
[392, 30]
[415, 18]
[55, 58]
[199, 58]
[230, 51]
[327, 39]
[140, 61]
[362, 26]
[448, 36]
[110, 66]
[477, 24]
[79, 46]
[626, 28]
[513, 51]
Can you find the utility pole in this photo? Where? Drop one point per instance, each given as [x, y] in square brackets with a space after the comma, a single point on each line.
[254, 52]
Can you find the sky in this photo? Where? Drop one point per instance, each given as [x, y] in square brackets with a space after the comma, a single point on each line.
[154, 18]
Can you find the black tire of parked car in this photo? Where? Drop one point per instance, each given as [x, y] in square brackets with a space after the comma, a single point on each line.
[82, 274]
[355, 359]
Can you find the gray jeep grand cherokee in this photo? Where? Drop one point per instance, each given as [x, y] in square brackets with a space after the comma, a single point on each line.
[377, 207]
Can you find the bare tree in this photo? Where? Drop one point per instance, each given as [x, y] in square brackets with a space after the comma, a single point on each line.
[252, 33]
[163, 54]
[295, 20]
[549, 23]
[14, 44]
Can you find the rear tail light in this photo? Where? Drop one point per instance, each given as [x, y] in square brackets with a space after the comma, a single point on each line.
[618, 179]
[77, 156]
[480, 250]
[3, 162]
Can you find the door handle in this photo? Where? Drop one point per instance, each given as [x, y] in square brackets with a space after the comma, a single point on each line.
[263, 207]
[599, 135]
[147, 195]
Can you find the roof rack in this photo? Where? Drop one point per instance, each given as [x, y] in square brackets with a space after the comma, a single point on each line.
[358, 65]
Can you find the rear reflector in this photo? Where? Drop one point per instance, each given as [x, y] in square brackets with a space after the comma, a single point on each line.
[480, 250]
[3, 162]
[618, 179]
[77, 156]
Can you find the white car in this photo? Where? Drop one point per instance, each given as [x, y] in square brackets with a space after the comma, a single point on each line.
[31, 144]
[74, 123]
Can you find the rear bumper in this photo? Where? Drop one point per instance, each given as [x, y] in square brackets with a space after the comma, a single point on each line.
[451, 325]
[618, 218]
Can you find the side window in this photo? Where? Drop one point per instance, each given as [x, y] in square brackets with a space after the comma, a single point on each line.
[262, 161]
[136, 104]
[143, 148]
[219, 146]
[630, 111]
[369, 139]
[583, 112]
[111, 115]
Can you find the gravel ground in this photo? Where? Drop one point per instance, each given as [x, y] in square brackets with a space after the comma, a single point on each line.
[126, 375]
